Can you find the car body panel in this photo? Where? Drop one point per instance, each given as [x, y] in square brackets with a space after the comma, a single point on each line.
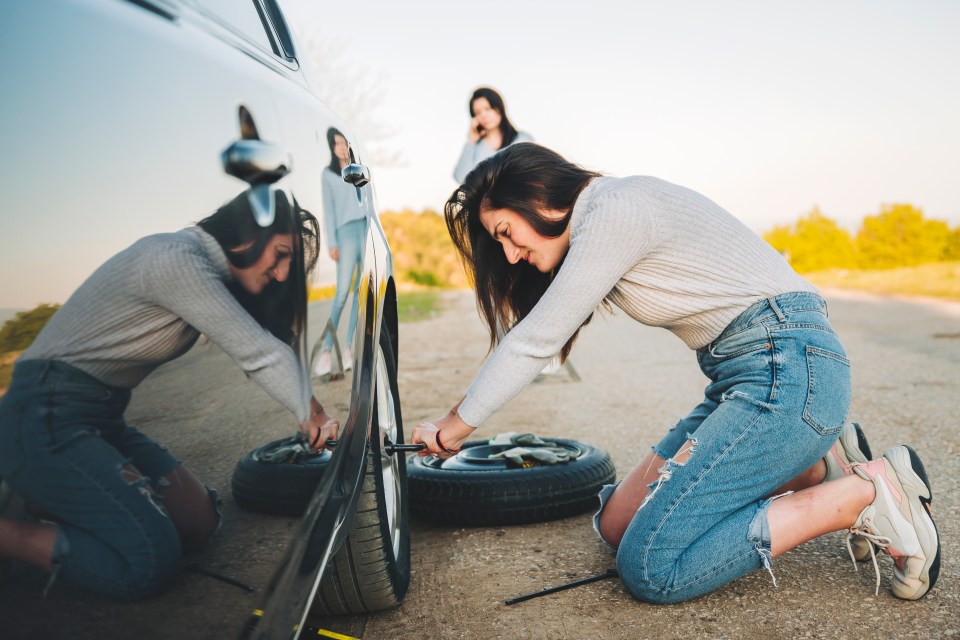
[116, 113]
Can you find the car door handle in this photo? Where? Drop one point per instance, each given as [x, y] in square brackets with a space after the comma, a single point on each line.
[260, 164]
[356, 174]
[256, 161]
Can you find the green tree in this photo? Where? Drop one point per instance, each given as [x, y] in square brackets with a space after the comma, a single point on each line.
[900, 236]
[813, 243]
[19, 332]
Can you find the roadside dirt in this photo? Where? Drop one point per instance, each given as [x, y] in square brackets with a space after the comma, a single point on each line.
[636, 382]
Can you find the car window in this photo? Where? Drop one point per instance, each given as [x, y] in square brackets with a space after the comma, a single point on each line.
[280, 27]
[242, 16]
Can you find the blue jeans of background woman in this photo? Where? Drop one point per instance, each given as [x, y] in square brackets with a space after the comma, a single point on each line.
[63, 446]
[778, 397]
[351, 240]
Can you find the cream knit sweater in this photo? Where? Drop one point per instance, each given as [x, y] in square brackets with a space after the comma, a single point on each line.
[148, 305]
[666, 255]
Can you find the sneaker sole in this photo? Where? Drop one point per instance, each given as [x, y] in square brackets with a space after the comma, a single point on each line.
[862, 444]
[919, 486]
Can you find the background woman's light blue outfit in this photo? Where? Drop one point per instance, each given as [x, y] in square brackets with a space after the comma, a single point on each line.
[345, 224]
[476, 152]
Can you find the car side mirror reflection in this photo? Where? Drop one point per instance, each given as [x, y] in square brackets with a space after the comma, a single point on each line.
[260, 164]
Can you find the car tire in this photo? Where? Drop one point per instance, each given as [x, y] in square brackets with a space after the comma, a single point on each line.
[278, 488]
[472, 490]
[371, 571]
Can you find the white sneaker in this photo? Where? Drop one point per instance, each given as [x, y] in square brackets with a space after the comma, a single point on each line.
[323, 365]
[850, 448]
[898, 521]
[347, 359]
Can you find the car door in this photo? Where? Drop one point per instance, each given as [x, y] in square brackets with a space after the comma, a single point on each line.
[122, 111]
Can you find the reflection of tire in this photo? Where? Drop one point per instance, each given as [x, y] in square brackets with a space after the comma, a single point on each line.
[372, 570]
[470, 489]
[282, 488]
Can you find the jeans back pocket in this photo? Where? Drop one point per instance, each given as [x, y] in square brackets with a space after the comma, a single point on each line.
[828, 390]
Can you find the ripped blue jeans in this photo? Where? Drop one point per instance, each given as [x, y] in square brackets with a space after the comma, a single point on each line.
[63, 443]
[778, 396]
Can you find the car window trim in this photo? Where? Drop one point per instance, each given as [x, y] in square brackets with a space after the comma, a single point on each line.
[215, 18]
[218, 28]
[281, 30]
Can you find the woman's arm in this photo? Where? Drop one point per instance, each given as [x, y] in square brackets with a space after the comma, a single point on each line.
[609, 239]
[466, 162]
[329, 208]
[184, 282]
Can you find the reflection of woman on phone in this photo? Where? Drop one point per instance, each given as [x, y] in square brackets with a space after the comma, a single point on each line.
[345, 224]
[490, 130]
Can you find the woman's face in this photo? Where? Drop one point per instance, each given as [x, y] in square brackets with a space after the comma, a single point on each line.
[341, 150]
[273, 264]
[521, 242]
[488, 117]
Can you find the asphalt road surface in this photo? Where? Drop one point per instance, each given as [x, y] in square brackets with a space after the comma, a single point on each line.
[636, 381]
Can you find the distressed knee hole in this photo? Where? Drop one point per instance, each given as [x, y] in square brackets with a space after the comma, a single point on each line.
[134, 478]
[680, 459]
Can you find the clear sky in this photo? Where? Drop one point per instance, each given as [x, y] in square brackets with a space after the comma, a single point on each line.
[767, 107]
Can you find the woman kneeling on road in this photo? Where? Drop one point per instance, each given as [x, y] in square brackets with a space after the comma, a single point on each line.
[117, 508]
[756, 468]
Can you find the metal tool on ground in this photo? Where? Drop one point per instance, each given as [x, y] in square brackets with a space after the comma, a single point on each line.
[610, 573]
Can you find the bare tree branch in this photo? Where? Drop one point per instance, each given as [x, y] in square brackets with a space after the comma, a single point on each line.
[354, 92]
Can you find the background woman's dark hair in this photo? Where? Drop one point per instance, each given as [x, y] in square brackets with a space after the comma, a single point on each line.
[507, 129]
[332, 134]
[281, 307]
[525, 178]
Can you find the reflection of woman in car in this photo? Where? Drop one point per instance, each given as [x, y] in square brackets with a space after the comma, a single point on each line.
[756, 468]
[490, 130]
[345, 223]
[116, 508]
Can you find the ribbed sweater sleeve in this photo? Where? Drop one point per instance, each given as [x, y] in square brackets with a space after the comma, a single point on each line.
[146, 305]
[188, 286]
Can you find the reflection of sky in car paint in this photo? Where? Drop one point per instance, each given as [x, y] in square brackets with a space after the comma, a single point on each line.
[47, 246]
[767, 107]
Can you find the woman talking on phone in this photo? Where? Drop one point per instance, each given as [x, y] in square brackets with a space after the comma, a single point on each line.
[490, 130]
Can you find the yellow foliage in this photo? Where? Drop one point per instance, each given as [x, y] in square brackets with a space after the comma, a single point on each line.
[813, 242]
[423, 253]
[898, 236]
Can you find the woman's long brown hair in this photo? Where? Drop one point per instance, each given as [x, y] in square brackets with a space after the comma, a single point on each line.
[281, 308]
[526, 178]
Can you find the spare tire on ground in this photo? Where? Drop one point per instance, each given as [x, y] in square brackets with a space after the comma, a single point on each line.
[278, 478]
[473, 489]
